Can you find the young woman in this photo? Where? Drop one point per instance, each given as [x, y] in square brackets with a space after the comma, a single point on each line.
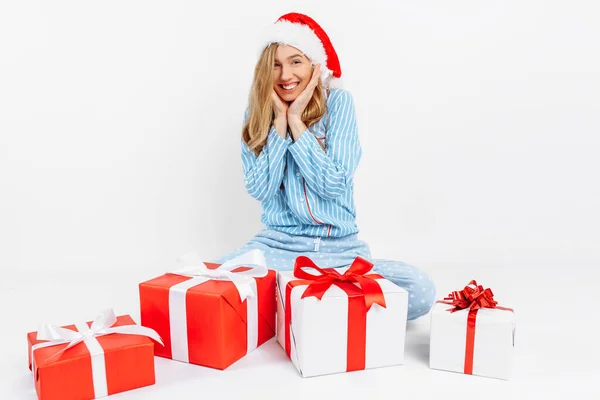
[300, 149]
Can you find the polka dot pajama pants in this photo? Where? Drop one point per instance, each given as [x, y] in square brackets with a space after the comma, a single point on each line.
[281, 250]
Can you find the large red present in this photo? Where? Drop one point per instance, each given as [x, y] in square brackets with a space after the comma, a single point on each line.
[91, 360]
[211, 314]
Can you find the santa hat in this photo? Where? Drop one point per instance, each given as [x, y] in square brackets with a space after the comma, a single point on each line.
[302, 32]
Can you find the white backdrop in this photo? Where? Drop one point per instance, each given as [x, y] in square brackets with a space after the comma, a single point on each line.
[120, 125]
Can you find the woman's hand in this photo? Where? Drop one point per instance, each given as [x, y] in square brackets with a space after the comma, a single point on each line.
[280, 107]
[297, 107]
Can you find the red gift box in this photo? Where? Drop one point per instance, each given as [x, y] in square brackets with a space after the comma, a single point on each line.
[94, 365]
[210, 321]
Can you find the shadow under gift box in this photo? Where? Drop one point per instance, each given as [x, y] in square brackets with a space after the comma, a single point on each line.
[129, 361]
[216, 317]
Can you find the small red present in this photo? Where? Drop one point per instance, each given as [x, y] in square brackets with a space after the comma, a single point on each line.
[211, 314]
[91, 359]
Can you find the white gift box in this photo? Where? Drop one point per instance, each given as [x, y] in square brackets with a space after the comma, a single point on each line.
[319, 328]
[492, 347]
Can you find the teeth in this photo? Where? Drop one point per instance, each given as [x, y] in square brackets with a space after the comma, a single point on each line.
[288, 87]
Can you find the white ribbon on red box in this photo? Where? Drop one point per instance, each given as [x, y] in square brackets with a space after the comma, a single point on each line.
[102, 325]
[200, 273]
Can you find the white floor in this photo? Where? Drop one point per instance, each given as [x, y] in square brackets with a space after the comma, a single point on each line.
[556, 352]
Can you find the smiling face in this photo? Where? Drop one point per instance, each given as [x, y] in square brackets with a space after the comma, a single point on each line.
[292, 72]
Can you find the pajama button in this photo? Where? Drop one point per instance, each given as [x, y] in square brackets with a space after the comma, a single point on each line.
[302, 199]
[297, 173]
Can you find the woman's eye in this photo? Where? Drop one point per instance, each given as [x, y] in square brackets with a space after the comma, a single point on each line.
[296, 62]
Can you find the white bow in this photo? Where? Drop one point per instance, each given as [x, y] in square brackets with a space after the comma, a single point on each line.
[253, 259]
[101, 326]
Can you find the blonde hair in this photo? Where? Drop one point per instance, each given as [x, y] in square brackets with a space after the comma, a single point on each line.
[261, 114]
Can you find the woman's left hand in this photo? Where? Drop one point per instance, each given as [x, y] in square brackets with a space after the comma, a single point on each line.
[297, 107]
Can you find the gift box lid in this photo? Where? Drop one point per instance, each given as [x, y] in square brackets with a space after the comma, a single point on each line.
[484, 315]
[113, 342]
[222, 288]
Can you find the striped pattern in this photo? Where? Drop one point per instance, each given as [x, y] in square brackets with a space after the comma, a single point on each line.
[303, 189]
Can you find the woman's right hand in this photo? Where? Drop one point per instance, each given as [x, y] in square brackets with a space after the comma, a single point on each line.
[280, 107]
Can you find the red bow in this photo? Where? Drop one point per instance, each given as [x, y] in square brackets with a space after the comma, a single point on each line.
[473, 297]
[327, 277]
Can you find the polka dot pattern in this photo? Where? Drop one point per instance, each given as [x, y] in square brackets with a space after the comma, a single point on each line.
[281, 251]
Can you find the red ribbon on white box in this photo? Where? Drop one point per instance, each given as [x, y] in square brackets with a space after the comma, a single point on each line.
[244, 282]
[102, 325]
[363, 292]
[472, 297]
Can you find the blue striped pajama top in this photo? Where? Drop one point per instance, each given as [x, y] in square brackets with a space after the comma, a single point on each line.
[303, 189]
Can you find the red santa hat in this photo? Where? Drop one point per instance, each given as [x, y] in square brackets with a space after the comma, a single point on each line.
[302, 32]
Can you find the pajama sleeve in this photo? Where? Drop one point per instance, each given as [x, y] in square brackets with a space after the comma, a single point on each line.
[328, 173]
[263, 174]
